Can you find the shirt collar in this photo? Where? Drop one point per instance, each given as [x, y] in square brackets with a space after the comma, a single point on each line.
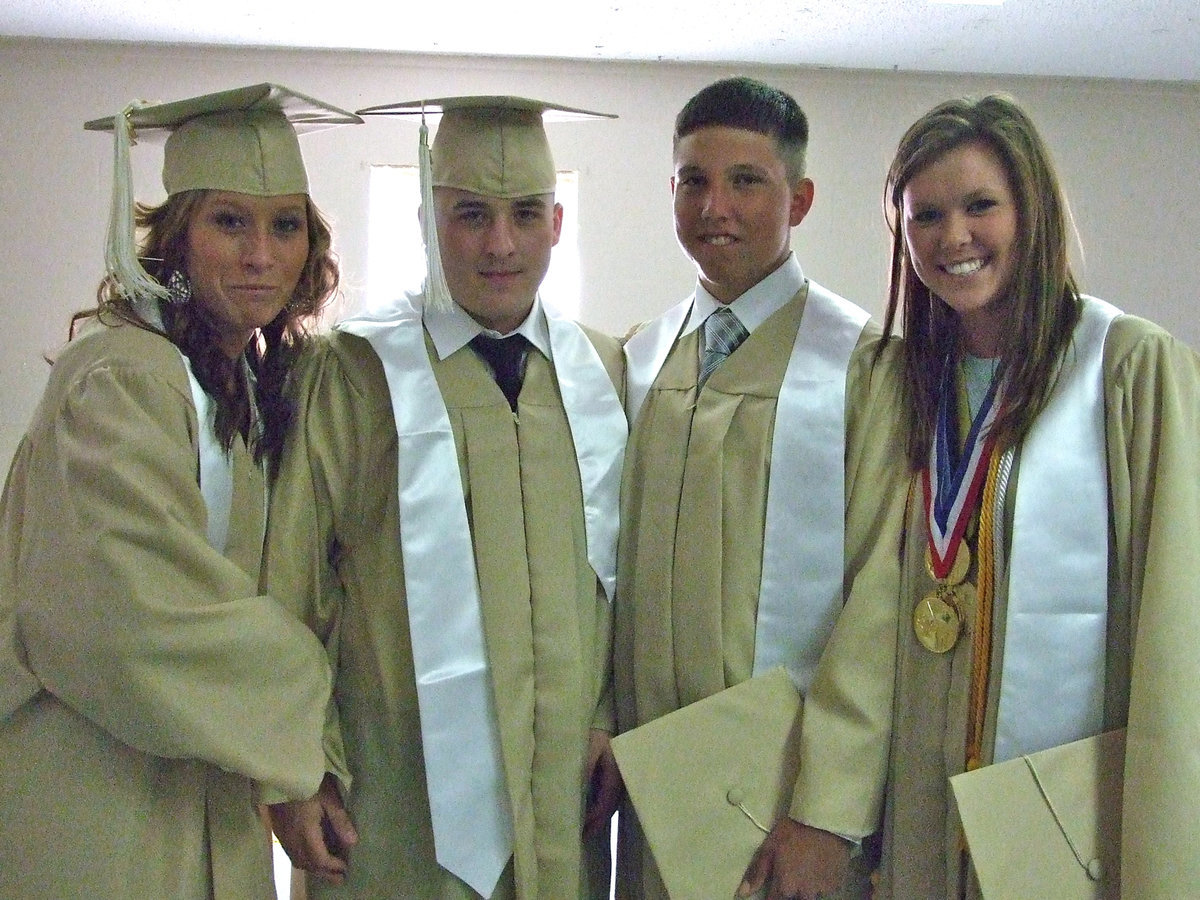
[757, 304]
[454, 328]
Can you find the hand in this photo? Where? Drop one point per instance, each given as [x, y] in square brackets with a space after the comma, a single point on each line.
[604, 783]
[316, 833]
[798, 862]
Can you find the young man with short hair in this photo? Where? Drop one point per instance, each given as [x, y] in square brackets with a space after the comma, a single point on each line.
[448, 526]
[755, 505]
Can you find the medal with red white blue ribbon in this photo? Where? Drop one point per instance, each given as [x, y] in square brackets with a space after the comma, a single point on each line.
[952, 482]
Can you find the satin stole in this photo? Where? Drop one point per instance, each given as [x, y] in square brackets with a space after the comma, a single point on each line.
[472, 823]
[800, 592]
[1052, 682]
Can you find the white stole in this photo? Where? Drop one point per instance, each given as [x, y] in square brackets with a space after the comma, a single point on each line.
[216, 466]
[468, 798]
[645, 353]
[800, 593]
[1053, 674]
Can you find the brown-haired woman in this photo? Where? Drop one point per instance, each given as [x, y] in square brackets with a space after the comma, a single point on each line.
[151, 693]
[1048, 591]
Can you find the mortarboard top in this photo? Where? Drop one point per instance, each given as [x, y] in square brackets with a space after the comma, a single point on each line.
[708, 780]
[1047, 824]
[491, 145]
[241, 140]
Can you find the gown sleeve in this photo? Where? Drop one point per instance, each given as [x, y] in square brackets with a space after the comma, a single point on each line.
[605, 717]
[126, 613]
[1153, 398]
[847, 715]
[331, 496]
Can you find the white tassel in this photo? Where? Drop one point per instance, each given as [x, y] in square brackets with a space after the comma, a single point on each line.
[437, 292]
[120, 253]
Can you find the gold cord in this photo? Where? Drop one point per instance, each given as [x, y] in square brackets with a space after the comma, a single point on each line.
[981, 646]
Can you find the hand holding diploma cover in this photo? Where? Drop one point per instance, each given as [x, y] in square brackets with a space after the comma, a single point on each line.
[709, 780]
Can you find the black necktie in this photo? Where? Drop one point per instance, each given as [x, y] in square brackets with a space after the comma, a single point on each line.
[506, 358]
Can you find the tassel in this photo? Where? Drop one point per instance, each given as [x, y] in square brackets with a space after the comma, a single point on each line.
[120, 254]
[437, 292]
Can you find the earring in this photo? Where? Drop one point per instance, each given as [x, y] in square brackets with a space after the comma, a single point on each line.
[179, 288]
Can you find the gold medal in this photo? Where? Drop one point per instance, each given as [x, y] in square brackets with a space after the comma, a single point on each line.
[966, 602]
[958, 568]
[936, 620]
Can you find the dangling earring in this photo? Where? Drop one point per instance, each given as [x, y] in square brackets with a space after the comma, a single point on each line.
[179, 288]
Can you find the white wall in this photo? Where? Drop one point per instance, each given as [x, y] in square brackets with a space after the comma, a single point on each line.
[1127, 154]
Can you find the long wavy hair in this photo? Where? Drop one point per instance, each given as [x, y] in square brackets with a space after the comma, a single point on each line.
[1043, 303]
[190, 327]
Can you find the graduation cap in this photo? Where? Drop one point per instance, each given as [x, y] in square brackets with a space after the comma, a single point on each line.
[495, 146]
[241, 140]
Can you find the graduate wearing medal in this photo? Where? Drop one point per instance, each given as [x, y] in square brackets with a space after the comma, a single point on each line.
[1048, 577]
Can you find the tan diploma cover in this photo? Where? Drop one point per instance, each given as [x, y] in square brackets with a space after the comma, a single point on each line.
[1047, 824]
[701, 777]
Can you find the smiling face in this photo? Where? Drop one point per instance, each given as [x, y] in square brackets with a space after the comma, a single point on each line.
[495, 252]
[734, 207]
[960, 228]
[244, 258]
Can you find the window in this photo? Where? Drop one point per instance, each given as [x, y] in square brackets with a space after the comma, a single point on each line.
[396, 254]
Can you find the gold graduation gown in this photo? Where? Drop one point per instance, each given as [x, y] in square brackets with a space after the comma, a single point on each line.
[145, 682]
[335, 544]
[693, 510]
[1152, 432]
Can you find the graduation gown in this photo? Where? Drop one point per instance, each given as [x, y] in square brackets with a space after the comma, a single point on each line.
[146, 683]
[693, 511]
[1152, 432]
[335, 544]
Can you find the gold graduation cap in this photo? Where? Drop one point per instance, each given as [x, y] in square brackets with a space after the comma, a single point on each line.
[1047, 824]
[241, 140]
[709, 780]
[493, 145]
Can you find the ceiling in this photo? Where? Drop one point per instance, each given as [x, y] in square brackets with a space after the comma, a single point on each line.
[1155, 40]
